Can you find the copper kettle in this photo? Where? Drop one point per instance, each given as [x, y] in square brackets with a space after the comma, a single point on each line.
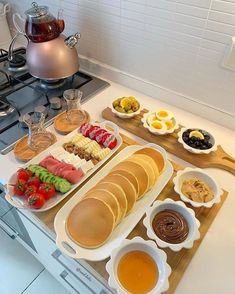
[55, 59]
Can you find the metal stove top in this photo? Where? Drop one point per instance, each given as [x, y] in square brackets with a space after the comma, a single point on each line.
[21, 93]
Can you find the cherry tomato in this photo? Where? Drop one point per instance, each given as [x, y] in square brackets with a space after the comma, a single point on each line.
[20, 187]
[34, 181]
[30, 190]
[24, 174]
[47, 190]
[36, 200]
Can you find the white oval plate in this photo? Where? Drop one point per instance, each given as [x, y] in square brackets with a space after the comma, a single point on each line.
[22, 203]
[69, 247]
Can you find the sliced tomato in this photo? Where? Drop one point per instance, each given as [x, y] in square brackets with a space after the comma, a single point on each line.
[24, 174]
[47, 190]
[30, 190]
[20, 187]
[36, 200]
[34, 180]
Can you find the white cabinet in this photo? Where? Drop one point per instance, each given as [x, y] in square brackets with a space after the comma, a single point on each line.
[69, 272]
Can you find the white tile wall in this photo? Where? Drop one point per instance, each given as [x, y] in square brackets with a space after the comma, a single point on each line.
[177, 44]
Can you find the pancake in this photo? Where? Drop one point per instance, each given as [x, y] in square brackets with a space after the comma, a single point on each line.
[90, 223]
[138, 171]
[118, 192]
[151, 162]
[126, 185]
[108, 198]
[155, 155]
[146, 165]
[131, 177]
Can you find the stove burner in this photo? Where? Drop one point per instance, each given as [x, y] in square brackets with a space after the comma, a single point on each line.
[5, 108]
[18, 63]
[52, 84]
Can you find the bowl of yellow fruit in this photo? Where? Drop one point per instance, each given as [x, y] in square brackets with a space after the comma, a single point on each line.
[160, 122]
[126, 107]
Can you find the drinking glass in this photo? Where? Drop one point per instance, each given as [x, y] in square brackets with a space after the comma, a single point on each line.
[38, 138]
[74, 114]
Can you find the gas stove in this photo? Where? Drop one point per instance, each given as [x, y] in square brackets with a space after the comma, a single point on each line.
[21, 93]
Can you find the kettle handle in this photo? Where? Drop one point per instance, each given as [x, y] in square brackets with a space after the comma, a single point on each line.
[14, 19]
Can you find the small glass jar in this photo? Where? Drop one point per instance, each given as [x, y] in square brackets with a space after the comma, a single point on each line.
[38, 138]
[75, 114]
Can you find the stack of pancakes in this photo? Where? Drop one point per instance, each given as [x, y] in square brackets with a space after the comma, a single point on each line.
[91, 222]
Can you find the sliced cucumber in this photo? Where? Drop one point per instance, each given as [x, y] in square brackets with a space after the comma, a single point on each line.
[64, 186]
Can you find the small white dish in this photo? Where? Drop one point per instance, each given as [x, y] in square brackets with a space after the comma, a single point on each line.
[194, 150]
[125, 115]
[186, 212]
[150, 248]
[154, 131]
[188, 173]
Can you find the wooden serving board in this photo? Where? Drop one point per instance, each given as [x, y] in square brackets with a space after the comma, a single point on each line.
[218, 159]
[23, 152]
[63, 127]
[177, 260]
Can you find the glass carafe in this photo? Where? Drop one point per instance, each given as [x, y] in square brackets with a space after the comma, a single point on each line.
[38, 138]
[41, 25]
[75, 114]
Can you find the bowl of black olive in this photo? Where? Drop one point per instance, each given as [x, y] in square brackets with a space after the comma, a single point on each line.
[197, 140]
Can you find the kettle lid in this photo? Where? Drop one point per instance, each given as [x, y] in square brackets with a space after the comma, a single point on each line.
[36, 11]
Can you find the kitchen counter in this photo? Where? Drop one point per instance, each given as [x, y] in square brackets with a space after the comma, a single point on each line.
[211, 270]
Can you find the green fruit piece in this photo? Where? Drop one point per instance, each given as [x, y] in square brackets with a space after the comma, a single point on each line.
[127, 107]
[130, 111]
[119, 109]
[135, 108]
[116, 103]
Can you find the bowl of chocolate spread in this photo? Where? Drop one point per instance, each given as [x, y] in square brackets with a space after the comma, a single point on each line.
[171, 224]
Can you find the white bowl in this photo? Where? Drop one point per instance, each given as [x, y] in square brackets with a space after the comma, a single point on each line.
[125, 115]
[150, 248]
[155, 131]
[194, 150]
[186, 212]
[188, 173]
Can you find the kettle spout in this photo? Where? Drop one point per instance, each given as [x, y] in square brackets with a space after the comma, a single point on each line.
[72, 40]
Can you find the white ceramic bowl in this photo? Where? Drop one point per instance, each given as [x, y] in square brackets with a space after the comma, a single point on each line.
[150, 248]
[155, 131]
[194, 150]
[188, 173]
[186, 212]
[125, 115]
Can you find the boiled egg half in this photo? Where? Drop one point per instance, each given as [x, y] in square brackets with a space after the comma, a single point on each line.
[164, 115]
[158, 126]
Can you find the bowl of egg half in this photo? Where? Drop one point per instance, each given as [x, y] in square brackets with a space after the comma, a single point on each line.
[160, 122]
[138, 266]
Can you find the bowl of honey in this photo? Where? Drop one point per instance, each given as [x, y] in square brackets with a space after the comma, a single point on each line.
[138, 267]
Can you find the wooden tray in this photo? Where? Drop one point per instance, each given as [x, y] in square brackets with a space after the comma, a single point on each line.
[177, 260]
[218, 159]
[23, 152]
[63, 127]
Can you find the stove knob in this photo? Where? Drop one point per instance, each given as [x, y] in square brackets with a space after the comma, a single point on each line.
[41, 108]
[55, 103]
